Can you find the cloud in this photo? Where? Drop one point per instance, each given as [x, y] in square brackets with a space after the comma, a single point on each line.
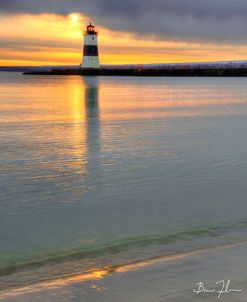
[190, 20]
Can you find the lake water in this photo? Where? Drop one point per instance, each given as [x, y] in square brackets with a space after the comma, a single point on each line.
[102, 171]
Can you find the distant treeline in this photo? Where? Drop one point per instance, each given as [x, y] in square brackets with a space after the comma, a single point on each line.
[16, 68]
[33, 68]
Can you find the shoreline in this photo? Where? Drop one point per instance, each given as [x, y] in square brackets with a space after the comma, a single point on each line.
[93, 278]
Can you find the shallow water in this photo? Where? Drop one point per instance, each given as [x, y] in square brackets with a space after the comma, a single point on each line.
[106, 170]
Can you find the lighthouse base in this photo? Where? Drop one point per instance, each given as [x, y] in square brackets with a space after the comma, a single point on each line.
[90, 62]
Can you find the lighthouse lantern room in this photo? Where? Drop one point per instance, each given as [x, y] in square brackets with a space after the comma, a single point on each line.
[90, 50]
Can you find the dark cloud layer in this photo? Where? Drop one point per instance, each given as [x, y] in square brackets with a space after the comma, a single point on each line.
[207, 20]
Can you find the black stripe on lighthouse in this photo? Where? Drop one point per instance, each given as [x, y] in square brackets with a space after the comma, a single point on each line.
[90, 51]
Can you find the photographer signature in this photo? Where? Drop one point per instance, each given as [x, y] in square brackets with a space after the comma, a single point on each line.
[221, 287]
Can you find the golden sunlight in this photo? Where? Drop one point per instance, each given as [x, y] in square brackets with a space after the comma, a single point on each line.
[74, 18]
[49, 39]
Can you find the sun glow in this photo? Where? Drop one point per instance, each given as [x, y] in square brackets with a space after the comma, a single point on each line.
[74, 18]
[49, 39]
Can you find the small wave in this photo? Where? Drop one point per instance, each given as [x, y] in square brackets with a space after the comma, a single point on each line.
[99, 273]
[120, 246]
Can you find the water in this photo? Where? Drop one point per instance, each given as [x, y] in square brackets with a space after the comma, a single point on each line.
[113, 170]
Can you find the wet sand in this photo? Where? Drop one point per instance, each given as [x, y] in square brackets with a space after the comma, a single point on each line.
[161, 279]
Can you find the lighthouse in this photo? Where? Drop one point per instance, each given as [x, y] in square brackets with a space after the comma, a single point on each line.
[90, 51]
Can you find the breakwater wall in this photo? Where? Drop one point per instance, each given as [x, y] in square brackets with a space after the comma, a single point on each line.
[214, 69]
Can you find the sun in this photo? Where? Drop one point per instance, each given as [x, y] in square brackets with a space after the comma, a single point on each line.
[74, 18]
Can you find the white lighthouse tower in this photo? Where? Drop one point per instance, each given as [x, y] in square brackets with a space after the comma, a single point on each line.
[90, 52]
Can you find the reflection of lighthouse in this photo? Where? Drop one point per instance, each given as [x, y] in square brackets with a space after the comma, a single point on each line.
[91, 98]
[92, 127]
[90, 51]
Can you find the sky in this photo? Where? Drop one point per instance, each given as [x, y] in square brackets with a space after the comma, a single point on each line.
[49, 32]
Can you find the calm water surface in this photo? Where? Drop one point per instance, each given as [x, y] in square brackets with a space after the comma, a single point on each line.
[112, 170]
